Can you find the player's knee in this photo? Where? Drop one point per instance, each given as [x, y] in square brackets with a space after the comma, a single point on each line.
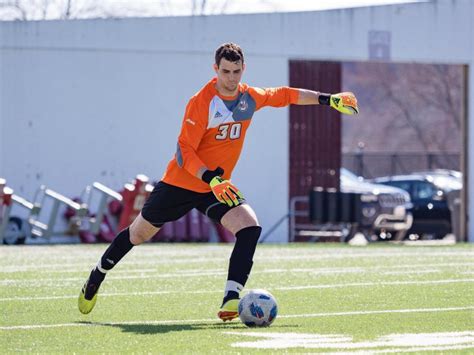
[141, 231]
[138, 238]
[239, 218]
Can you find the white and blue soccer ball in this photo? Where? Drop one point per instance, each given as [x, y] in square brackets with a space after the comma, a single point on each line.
[258, 308]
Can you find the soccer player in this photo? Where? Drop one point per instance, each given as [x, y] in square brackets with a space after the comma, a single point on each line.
[212, 135]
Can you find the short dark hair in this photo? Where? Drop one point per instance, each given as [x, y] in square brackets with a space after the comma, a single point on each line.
[229, 51]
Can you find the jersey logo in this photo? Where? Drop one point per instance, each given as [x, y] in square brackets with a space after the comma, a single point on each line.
[218, 114]
[243, 105]
[190, 121]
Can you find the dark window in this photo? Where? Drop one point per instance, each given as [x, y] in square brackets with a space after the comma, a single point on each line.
[404, 185]
[423, 190]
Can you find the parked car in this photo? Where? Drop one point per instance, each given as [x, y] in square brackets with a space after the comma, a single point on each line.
[428, 192]
[441, 172]
[385, 209]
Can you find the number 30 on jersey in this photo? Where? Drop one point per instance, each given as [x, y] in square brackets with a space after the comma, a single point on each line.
[231, 130]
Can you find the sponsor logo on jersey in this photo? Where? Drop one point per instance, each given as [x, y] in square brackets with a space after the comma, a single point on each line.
[218, 114]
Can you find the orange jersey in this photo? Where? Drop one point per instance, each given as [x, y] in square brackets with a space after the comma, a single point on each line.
[213, 131]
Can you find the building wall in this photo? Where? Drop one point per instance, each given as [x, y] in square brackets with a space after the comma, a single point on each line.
[102, 100]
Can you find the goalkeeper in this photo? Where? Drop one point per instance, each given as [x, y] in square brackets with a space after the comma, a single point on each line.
[209, 145]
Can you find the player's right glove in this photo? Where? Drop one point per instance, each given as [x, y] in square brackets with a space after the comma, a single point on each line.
[224, 190]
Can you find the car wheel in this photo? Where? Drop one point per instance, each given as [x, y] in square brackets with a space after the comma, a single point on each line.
[14, 234]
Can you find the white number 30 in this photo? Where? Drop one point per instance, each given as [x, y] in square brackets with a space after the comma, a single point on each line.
[233, 132]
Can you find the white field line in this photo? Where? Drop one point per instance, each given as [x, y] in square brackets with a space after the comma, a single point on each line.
[79, 269]
[89, 262]
[353, 313]
[115, 275]
[381, 283]
[411, 272]
[198, 258]
[389, 343]
[287, 288]
[172, 250]
[403, 350]
[213, 320]
[318, 271]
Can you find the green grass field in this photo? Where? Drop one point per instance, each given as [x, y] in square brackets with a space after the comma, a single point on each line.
[164, 299]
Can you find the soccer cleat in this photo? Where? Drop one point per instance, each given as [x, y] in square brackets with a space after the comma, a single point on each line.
[88, 296]
[229, 310]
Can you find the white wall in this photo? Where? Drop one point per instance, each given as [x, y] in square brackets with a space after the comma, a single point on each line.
[102, 100]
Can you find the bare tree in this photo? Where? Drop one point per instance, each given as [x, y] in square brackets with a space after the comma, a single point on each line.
[406, 107]
[24, 10]
[13, 10]
[74, 9]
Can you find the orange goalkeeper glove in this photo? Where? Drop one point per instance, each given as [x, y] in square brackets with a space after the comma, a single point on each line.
[224, 190]
[344, 102]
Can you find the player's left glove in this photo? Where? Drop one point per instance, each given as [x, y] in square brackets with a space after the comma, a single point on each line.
[224, 190]
[344, 102]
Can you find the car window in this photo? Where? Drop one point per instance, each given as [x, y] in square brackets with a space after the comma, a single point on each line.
[423, 189]
[404, 185]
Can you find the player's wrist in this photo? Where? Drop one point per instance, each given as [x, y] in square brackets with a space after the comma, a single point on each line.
[324, 99]
[208, 175]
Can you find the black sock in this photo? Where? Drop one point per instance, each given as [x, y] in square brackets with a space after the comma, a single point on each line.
[241, 260]
[120, 246]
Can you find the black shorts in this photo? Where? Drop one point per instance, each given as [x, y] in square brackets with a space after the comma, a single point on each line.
[168, 203]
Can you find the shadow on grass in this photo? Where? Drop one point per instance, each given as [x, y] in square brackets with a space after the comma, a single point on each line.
[166, 328]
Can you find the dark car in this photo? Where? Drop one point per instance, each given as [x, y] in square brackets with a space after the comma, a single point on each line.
[385, 209]
[384, 213]
[429, 196]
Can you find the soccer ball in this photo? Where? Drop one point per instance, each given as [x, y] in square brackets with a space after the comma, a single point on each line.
[258, 308]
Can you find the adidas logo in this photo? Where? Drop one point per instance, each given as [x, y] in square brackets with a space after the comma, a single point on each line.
[217, 115]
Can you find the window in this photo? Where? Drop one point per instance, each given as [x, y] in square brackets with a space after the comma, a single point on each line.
[423, 190]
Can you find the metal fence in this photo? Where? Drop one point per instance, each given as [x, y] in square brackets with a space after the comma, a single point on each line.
[370, 165]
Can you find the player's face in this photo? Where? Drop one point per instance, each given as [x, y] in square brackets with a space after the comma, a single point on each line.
[229, 75]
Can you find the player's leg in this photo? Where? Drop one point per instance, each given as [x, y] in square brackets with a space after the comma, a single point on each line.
[165, 203]
[139, 232]
[242, 222]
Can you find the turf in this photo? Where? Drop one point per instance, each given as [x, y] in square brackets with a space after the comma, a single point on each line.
[163, 298]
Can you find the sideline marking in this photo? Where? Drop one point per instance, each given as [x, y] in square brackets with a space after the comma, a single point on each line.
[288, 288]
[197, 258]
[314, 315]
[218, 272]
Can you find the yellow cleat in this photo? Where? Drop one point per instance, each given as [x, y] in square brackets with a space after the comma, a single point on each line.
[85, 305]
[229, 310]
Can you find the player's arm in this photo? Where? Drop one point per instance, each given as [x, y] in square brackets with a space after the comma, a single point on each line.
[192, 131]
[344, 102]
